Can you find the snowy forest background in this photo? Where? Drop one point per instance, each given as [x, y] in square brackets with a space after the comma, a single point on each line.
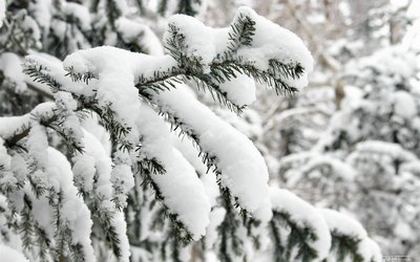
[140, 150]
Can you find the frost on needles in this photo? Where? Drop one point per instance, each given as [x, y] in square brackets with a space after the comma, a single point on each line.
[75, 204]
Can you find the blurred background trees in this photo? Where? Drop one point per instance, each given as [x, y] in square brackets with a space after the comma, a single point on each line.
[350, 140]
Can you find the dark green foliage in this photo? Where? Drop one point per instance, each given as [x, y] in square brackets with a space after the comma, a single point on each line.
[241, 34]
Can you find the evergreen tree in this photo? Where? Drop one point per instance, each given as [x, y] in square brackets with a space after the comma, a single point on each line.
[89, 167]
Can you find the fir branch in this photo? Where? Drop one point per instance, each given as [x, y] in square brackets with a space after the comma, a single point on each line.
[26, 228]
[297, 240]
[147, 168]
[241, 34]
[346, 247]
[228, 229]
[40, 73]
[79, 77]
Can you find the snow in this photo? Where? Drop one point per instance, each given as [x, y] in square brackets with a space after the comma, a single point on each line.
[274, 41]
[199, 38]
[393, 61]
[10, 254]
[10, 125]
[30, 24]
[37, 143]
[132, 31]
[208, 178]
[73, 210]
[240, 90]
[370, 250]
[102, 168]
[7, 178]
[188, 194]
[270, 41]
[10, 65]
[242, 167]
[339, 168]
[84, 172]
[4, 157]
[381, 147]
[43, 213]
[217, 216]
[117, 68]
[342, 224]
[91, 124]
[122, 177]
[304, 215]
[80, 12]
[2, 11]
[183, 192]
[41, 11]
[404, 105]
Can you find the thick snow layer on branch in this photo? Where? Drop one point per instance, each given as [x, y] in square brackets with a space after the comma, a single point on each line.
[274, 41]
[38, 143]
[101, 166]
[242, 167]
[182, 190]
[132, 31]
[10, 65]
[10, 254]
[207, 177]
[240, 90]
[304, 215]
[74, 211]
[122, 177]
[93, 150]
[116, 70]
[342, 224]
[270, 41]
[216, 218]
[198, 37]
[370, 250]
[10, 125]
